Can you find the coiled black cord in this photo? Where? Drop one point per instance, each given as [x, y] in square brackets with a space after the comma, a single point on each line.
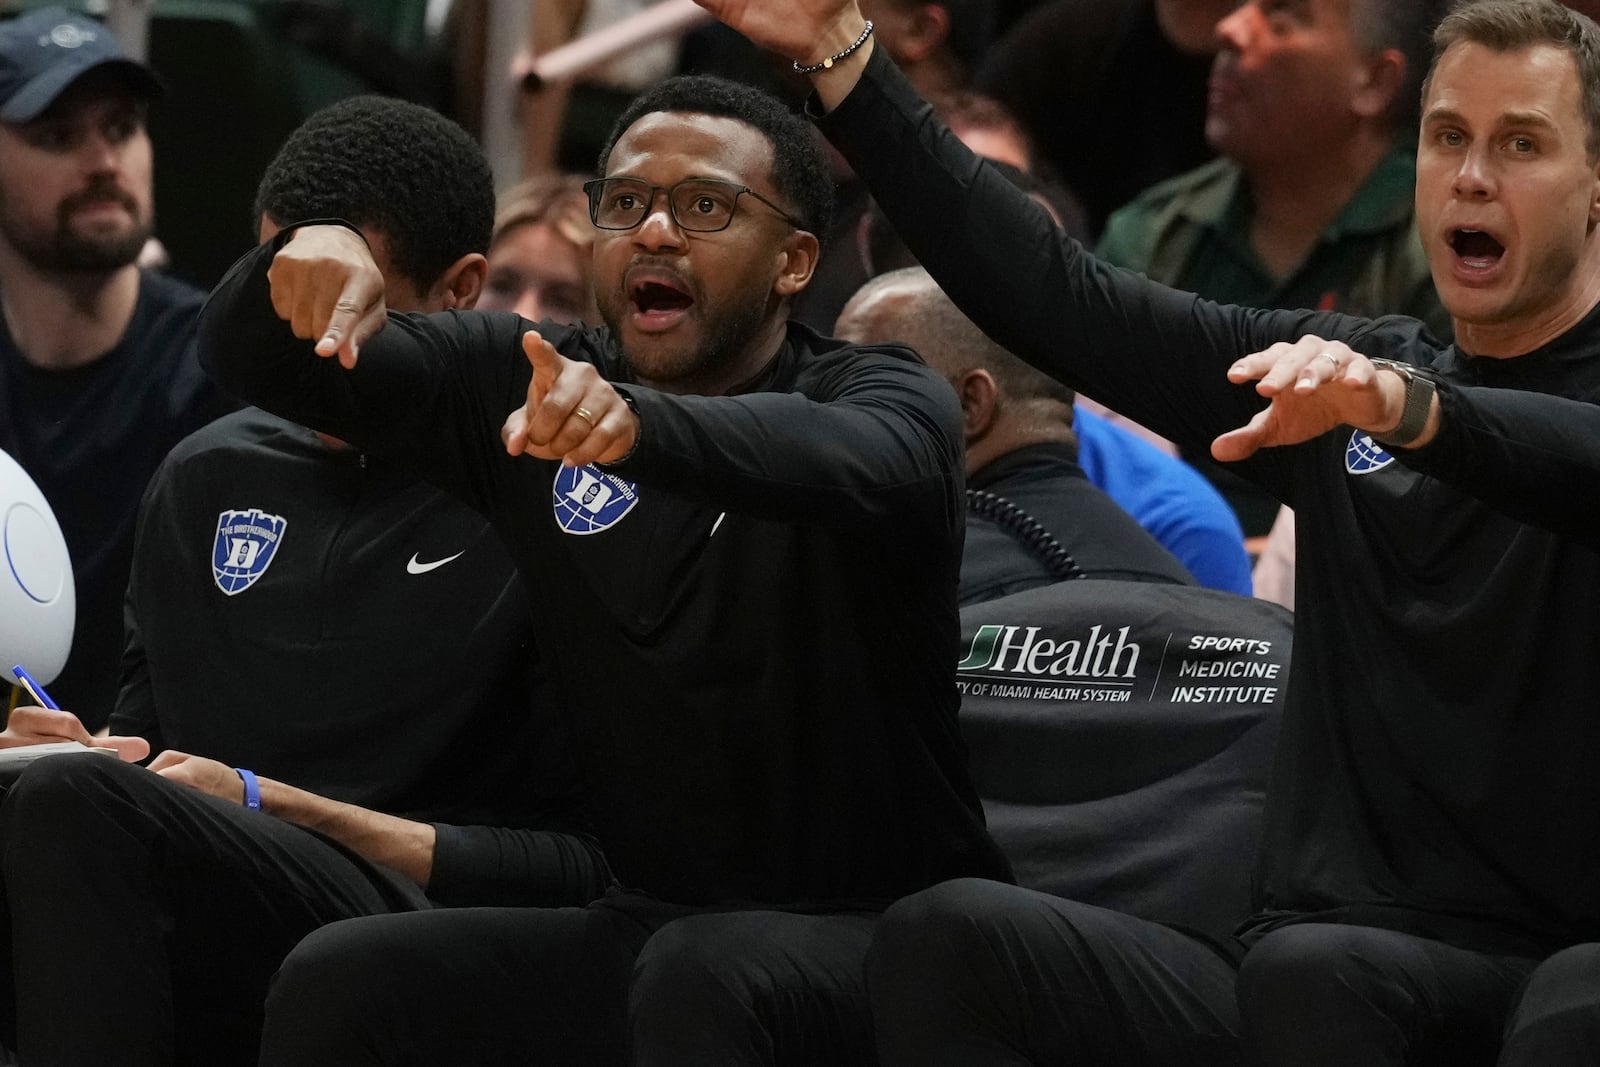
[1025, 528]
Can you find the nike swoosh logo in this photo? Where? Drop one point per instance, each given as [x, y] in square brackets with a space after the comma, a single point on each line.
[413, 567]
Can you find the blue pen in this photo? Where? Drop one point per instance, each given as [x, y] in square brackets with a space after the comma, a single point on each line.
[34, 689]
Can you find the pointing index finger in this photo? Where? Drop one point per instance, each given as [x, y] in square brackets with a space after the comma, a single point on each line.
[542, 355]
[357, 315]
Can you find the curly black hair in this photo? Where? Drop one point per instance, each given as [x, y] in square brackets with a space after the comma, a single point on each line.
[799, 170]
[391, 166]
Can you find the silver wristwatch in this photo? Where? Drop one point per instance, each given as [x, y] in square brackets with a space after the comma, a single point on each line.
[1420, 391]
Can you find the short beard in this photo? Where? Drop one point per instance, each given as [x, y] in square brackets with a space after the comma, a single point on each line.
[72, 254]
[727, 337]
[65, 252]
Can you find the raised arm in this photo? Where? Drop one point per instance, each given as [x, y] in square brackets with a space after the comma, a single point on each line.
[806, 31]
[1152, 353]
[1165, 358]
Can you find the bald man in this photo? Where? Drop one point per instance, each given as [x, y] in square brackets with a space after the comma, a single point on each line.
[1020, 447]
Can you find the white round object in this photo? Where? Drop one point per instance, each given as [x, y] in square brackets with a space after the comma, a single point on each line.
[38, 604]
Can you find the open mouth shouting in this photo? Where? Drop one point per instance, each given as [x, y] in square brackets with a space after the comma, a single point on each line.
[660, 298]
[1478, 253]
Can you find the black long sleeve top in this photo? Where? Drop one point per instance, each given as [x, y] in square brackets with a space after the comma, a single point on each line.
[752, 620]
[1439, 767]
[376, 650]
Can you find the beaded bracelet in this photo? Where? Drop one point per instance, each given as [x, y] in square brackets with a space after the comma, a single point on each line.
[827, 64]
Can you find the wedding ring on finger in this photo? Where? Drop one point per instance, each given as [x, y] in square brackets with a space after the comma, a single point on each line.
[585, 414]
[1338, 364]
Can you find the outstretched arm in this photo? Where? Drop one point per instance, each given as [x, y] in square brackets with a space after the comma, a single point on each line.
[571, 412]
[1313, 386]
[1172, 361]
[321, 282]
[1529, 455]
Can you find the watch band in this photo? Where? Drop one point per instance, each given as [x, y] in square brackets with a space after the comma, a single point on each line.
[633, 406]
[1420, 391]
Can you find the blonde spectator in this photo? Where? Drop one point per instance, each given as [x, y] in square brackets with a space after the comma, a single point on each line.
[539, 258]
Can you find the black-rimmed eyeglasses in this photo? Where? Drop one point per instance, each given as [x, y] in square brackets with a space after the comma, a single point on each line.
[698, 205]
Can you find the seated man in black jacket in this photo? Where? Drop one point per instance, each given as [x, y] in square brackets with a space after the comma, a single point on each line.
[355, 640]
[744, 541]
[1033, 517]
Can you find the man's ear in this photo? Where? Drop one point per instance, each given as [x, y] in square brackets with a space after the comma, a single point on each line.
[460, 286]
[980, 402]
[1381, 79]
[799, 261]
[925, 32]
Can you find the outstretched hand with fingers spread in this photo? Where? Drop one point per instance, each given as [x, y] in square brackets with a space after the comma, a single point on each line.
[1313, 385]
[571, 414]
[327, 287]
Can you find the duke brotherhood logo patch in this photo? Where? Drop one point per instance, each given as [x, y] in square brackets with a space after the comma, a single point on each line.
[588, 500]
[246, 542]
[1363, 455]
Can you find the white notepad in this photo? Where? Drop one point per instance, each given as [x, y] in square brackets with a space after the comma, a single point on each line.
[12, 757]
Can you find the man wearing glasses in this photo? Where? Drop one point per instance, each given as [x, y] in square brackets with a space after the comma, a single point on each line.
[744, 540]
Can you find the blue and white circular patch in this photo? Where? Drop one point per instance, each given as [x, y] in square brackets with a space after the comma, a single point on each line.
[1363, 455]
[247, 540]
[588, 500]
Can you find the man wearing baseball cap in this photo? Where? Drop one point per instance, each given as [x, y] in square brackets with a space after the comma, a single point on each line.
[97, 374]
[47, 50]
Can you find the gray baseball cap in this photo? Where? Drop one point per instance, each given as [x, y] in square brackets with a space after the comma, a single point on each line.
[46, 50]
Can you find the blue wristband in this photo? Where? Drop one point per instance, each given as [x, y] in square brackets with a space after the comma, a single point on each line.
[252, 788]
